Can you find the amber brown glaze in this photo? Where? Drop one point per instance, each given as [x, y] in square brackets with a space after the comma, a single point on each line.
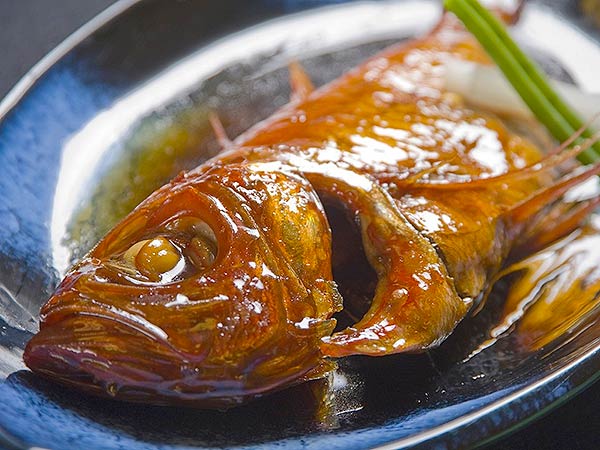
[218, 287]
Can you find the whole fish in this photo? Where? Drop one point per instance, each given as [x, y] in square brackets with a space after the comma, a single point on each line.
[219, 287]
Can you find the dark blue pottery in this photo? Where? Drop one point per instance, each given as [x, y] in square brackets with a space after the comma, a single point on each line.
[139, 80]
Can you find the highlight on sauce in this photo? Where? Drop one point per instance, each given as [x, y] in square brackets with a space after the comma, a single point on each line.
[366, 217]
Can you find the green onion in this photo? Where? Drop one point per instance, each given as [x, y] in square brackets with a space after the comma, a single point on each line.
[524, 75]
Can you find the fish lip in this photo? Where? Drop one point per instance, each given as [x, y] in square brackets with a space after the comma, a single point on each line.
[55, 349]
[125, 319]
[87, 362]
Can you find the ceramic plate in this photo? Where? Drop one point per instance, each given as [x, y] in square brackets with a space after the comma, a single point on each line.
[122, 105]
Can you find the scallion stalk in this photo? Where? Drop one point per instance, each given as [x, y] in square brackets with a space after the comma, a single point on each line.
[524, 75]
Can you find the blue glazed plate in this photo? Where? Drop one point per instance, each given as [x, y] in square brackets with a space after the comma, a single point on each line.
[122, 106]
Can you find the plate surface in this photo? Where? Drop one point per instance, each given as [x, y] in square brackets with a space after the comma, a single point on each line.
[132, 94]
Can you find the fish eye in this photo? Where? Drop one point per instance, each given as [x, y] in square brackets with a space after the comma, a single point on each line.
[154, 257]
[185, 246]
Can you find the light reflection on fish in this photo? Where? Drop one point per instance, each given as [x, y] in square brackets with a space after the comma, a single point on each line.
[219, 287]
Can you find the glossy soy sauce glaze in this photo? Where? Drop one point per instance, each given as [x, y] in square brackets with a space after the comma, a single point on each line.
[376, 392]
[179, 136]
[218, 287]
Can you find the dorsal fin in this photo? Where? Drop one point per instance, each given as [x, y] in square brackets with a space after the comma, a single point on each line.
[219, 131]
[299, 81]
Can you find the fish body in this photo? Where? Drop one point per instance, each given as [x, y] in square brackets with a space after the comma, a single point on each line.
[219, 287]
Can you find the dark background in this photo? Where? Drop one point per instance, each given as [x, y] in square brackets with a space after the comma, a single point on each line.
[31, 28]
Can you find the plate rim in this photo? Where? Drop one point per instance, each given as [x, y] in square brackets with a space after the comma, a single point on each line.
[18, 91]
[432, 435]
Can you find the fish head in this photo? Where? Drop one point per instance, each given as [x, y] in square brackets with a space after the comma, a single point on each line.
[216, 289]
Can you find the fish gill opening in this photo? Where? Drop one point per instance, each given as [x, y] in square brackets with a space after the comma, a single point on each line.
[355, 277]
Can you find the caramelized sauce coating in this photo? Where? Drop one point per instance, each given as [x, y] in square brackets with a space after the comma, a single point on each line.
[219, 287]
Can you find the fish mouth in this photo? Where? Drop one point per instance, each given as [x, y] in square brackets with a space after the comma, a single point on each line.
[97, 353]
[109, 358]
[102, 353]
